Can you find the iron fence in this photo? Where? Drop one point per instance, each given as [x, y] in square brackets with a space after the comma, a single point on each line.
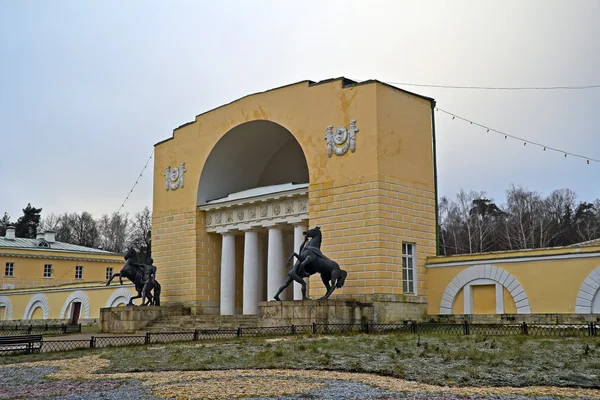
[49, 346]
[46, 329]
[407, 327]
[113, 341]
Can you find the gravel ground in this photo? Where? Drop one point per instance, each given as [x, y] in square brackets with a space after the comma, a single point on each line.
[24, 375]
[81, 378]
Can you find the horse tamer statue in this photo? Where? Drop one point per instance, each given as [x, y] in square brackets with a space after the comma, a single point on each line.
[310, 261]
[142, 276]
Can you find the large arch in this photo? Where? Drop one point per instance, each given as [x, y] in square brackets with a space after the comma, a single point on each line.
[119, 296]
[7, 304]
[588, 298]
[253, 154]
[38, 300]
[82, 298]
[485, 274]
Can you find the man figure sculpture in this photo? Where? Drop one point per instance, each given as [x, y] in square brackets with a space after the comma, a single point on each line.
[148, 280]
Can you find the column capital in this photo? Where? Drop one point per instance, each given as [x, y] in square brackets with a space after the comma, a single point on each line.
[298, 222]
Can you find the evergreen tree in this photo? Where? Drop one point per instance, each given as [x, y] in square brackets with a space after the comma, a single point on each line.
[27, 224]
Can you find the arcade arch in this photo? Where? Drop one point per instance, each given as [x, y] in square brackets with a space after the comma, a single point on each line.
[255, 183]
[37, 301]
[588, 297]
[77, 296]
[485, 275]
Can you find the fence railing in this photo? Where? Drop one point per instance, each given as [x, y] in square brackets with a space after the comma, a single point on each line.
[46, 329]
[466, 328]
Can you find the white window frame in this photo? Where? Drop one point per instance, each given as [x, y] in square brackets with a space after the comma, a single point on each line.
[79, 271]
[48, 271]
[109, 274]
[9, 266]
[409, 257]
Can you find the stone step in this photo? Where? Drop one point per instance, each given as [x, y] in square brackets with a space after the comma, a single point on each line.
[208, 318]
[190, 322]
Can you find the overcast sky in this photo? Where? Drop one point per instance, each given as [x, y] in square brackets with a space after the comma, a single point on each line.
[87, 88]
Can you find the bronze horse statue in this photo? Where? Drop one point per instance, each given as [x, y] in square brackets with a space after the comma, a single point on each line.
[310, 261]
[135, 273]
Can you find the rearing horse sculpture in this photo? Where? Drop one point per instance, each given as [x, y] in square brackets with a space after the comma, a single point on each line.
[134, 272]
[310, 261]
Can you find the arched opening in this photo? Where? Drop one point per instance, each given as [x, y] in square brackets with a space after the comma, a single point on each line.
[484, 289]
[71, 312]
[37, 313]
[37, 304]
[119, 297]
[588, 298]
[253, 154]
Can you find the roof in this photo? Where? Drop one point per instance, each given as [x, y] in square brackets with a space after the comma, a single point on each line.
[259, 191]
[593, 242]
[346, 83]
[31, 244]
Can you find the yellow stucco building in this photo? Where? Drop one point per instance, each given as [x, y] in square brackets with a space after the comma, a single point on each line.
[235, 188]
[48, 280]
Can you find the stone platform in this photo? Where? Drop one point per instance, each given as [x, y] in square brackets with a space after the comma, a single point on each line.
[357, 309]
[128, 319]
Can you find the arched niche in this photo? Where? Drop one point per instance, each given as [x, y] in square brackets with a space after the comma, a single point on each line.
[588, 297]
[485, 275]
[253, 154]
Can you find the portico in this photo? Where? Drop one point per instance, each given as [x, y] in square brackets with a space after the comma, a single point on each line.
[271, 220]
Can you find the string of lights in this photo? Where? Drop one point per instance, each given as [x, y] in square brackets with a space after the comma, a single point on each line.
[136, 182]
[498, 87]
[524, 141]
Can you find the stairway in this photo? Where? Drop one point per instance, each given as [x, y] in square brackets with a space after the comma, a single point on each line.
[187, 323]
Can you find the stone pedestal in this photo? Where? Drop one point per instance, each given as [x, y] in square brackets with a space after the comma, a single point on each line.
[356, 309]
[132, 319]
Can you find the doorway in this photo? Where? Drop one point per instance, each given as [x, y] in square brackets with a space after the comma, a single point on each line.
[75, 311]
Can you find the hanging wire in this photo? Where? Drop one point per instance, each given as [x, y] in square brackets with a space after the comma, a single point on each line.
[136, 182]
[525, 141]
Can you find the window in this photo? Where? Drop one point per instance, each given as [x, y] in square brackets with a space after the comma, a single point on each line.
[408, 268]
[79, 272]
[109, 272]
[9, 270]
[47, 270]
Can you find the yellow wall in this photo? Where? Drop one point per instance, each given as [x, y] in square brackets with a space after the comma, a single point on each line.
[29, 267]
[366, 202]
[484, 299]
[97, 295]
[509, 303]
[551, 285]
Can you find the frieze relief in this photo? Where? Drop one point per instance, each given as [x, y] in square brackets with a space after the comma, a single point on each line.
[257, 214]
[174, 177]
[341, 140]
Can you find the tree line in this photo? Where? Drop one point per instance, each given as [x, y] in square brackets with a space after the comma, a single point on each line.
[474, 223]
[115, 232]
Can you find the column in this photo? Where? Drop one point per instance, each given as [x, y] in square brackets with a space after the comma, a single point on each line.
[251, 274]
[262, 268]
[298, 239]
[275, 270]
[228, 274]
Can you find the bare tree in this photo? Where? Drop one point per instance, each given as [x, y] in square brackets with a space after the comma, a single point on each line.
[141, 233]
[50, 222]
[4, 223]
[483, 213]
[113, 232]
[78, 229]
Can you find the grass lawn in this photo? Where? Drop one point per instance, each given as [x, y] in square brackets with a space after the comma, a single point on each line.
[434, 359]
